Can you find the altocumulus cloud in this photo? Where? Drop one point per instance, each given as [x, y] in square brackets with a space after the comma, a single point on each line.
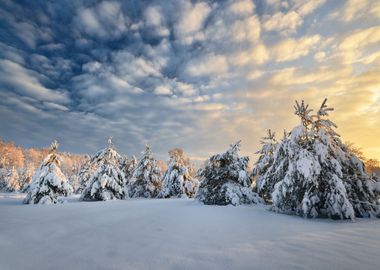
[179, 73]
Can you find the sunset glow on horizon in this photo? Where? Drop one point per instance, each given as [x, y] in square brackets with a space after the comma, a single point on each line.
[198, 75]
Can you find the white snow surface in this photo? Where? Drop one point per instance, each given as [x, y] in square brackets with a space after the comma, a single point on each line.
[177, 234]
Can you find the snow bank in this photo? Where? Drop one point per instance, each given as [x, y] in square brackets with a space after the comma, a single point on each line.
[177, 234]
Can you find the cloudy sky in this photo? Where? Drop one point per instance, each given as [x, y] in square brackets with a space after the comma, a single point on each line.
[179, 73]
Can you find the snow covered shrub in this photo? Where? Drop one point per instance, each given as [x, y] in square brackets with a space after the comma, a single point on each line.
[107, 179]
[315, 175]
[179, 178]
[49, 185]
[146, 179]
[264, 162]
[225, 180]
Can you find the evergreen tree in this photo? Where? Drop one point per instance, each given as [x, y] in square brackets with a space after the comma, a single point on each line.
[129, 167]
[74, 182]
[86, 171]
[264, 162]
[13, 183]
[49, 185]
[146, 179]
[179, 178]
[316, 174]
[3, 179]
[225, 180]
[107, 181]
[26, 178]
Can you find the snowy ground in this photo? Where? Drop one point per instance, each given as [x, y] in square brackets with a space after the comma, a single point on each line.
[177, 234]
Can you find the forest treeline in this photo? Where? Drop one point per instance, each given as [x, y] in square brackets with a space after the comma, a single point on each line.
[309, 171]
[18, 164]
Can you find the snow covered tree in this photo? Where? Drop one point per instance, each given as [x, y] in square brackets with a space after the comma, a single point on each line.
[86, 171]
[179, 178]
[12, 179]
[129, 167]
[49, 185]
[3, 180]
[74, 182]
[264, 162]
[146, 179]
[316, 175]
[26, 178]
[225, 180]
[107, 181]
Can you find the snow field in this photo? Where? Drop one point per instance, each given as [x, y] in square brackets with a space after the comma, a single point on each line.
[177, 234]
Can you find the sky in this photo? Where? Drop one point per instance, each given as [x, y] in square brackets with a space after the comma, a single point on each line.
[198, 75]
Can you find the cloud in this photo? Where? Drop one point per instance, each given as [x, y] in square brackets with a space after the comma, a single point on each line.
[320, 56]
[191, 22]
[289, 21]
[283, 21]
[162, 90]
[154, 18]
[356, 9]
[105, 20]
[307, 7]
[292, 49]
[24, 81]
[242, 7]
[360, 39]
[296, 76]
[207, 65]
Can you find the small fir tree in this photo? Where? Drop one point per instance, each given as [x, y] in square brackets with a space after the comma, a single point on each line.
[146, 180]
[87, 171]
[49, 185]
[107, 181]
[129, 167]
[13, 180]
[225, 180]
[179, 178]
[26, 178]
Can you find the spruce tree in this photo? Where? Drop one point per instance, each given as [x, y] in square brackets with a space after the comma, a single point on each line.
[146, 180]
[86, 171]
[129, 167]
[315, 173]
[49, 185]
[26, 178]
[264, 162]
[107, 181]
[12, 180]
[3, 179]
[225, 180]
[179, 178]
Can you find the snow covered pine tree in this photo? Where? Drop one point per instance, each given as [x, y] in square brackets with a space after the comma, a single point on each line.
[129, 166]
[146, 179]
[49, 185]
[265, 160]
[315, 173]
[179, 178]
[13, 180]
[86, 172]
[107, 181]
[225, 180]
